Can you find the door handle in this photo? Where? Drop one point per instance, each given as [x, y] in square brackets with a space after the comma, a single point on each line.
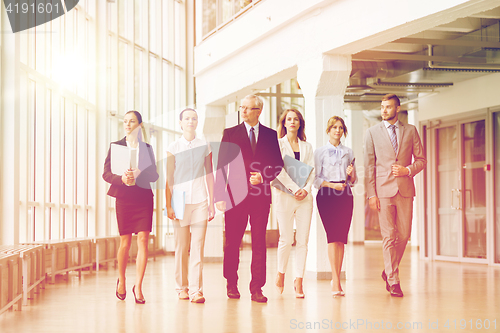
[456, 193]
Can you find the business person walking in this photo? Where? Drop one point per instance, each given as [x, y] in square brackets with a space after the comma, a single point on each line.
[243, 188]
[335, 172]
[299, 207]
[134, 201]
[389, 149]
[189, 169]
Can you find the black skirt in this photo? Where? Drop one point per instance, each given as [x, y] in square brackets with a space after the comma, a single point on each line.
[134, 215]
[335, 209]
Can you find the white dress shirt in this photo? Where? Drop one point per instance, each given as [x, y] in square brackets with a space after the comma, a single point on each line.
[132, 151]
[189, 174]
[398, 135]
[331, 163]
[255, 130]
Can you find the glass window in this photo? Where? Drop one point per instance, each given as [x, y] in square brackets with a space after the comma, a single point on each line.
[179, 35]
[496, 166]
[209, 16]
[218, 12]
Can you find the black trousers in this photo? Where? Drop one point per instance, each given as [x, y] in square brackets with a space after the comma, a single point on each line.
[256, 210]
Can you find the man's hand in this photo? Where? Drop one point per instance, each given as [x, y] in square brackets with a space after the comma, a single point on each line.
[399, 170]
[221, 205]
[374, 203]
[255, 178]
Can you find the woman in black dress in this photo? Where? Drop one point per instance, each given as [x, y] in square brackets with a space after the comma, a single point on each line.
[134, 201]
[335, 172]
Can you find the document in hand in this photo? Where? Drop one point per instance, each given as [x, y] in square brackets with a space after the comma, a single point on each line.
[178, 203]
[297, 170]
[120, 159]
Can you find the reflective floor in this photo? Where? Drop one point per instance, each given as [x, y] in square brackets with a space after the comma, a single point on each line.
[439, 297]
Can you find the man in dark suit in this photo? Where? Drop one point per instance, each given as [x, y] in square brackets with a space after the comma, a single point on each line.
[249, 159]
[393, 156]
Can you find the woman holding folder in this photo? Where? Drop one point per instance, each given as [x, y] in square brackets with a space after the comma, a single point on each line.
[189, 175]
[335, 172]
[134, 198]
[293, 202]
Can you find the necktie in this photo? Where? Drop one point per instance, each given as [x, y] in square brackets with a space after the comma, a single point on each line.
[253, 142]
[394, 138]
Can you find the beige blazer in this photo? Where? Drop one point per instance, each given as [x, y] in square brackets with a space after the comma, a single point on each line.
[306, 156]
[380, 156]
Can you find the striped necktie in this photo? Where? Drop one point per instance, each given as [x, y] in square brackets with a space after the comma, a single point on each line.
[394, 138]
[253, 142]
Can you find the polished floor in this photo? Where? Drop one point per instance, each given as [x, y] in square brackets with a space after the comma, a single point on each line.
[439, 297]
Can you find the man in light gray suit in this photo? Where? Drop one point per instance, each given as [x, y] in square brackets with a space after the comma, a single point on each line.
[389, 149]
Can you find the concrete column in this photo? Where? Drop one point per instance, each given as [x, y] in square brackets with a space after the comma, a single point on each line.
[323, 80]
[10, 128]
[413, 119]
[355, 140]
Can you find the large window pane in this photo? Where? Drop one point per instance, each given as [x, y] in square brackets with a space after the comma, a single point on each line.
[209, 15]
[496, 140]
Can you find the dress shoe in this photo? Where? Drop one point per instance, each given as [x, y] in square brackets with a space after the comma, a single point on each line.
[121, 297]
[232, 291]
[258, 297]
[396, 290]
[280, 282]
[384, 277]
[138, 300]
[297, 286]
[198, 298]
[183, 295]
[337, 292]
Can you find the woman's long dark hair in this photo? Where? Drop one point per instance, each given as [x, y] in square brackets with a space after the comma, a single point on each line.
[282, 129]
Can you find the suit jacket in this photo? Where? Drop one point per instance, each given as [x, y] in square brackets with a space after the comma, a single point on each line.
[148, 174]
[380, 156]
[236, 160]
[306, 156]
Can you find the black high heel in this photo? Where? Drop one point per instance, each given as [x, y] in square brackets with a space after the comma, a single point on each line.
[138, 301]
[121, 297]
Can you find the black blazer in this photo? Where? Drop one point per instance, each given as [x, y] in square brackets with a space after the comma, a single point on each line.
[236, 160]
[148, 174]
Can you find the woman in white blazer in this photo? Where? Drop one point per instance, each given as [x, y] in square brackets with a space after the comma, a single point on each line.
[297, 204]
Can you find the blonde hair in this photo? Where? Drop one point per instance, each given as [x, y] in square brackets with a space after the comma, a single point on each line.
[332, 122]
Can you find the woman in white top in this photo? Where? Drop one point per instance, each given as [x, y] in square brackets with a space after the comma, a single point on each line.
[189, 173]
[335, 172]
[297, 204]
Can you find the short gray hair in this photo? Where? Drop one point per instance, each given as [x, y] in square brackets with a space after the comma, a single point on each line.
[259, 102]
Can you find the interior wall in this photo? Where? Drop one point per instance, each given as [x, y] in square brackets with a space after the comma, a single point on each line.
[466, 96]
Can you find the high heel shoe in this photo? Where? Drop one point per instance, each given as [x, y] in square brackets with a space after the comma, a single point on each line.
[121, 297]
[280, 282]
[338, 292]
[298, 294]
[137, 300]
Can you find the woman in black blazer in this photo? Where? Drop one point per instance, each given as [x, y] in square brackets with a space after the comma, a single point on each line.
[134, 201]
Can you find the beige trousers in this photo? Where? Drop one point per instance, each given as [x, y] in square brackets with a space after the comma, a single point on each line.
[189, 248]
[395, 226]
[289, 209]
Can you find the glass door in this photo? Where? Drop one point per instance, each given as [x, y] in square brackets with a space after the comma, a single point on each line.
[474, 189]
[447, 187]
[460, 189]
